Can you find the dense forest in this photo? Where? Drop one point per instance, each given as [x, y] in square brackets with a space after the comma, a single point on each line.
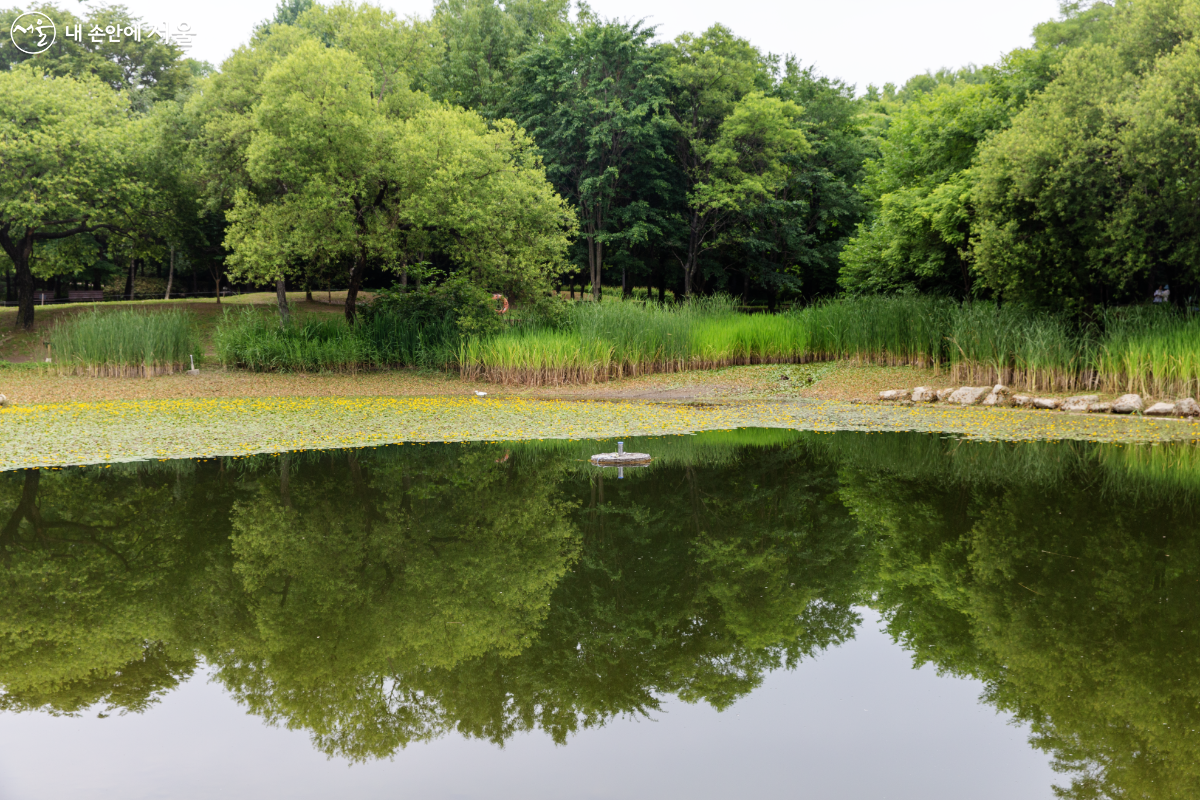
[530, 146]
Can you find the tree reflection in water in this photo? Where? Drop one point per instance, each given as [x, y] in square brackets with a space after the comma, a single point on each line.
[379, 597]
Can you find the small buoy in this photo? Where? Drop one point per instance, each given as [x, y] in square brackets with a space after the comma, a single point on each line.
[481, 394]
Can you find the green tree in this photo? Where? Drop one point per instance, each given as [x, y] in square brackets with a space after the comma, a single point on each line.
[789, 242]
[594, 100]
[74, 164]
[337, 177]
[730, 139]
[481, 41]
[922, 186]
[1076, 198]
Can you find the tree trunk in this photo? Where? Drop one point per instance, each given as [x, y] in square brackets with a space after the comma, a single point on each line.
[356, 276]
[215, 270]
[129, 279]
[595, 250]
[281, 301]
[695, 225]
[625, 288]
[19, 252]
[170, 275]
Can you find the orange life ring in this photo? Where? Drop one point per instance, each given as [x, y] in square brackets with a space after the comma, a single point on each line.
[505, 299]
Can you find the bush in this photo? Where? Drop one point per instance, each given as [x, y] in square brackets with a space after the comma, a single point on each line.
[469, 307]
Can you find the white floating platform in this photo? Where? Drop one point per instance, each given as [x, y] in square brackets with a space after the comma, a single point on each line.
[621, 459]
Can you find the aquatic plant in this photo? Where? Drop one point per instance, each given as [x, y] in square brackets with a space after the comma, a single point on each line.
[125, 343]
[326, 343]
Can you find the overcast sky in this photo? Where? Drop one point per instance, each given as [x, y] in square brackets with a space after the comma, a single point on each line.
[860, 41]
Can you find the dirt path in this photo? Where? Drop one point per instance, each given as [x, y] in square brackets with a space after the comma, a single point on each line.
[28, 384]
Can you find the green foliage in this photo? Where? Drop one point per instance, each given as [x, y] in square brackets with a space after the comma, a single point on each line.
[125, 342]
[594, 99]
[481, 44]
[337, 178]
[318, 343]
[599, 341]
[455, 300]
[1079, 201]
[921, 184]
[1147, 350]
[74, 164]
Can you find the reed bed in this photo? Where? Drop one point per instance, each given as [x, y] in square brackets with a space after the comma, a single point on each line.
[126, 343]
[892, 331]
[1148, 350]
[1152, 351]
[614, 339]
[255, 340]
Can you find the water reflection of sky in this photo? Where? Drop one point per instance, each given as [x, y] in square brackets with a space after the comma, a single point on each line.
[856, 722]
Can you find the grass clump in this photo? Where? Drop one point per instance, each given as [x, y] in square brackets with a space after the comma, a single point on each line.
[614, 339]
[255, 340]
[1152, 351]
[125, 343]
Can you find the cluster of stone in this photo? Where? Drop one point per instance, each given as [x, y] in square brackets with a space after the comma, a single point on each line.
[999, 395]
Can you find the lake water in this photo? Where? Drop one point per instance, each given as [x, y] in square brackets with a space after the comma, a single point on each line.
[759, 613]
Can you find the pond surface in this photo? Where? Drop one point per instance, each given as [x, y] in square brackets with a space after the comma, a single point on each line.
[758, 613]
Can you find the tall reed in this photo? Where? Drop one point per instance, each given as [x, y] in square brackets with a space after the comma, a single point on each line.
[255, 340]
[907, 330]
[1152, 351]
[125, 343]
[614, 339]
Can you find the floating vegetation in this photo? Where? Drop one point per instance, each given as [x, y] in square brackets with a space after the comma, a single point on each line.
[90, 433]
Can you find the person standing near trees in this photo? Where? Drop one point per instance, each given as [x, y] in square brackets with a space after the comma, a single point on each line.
[1158, 295]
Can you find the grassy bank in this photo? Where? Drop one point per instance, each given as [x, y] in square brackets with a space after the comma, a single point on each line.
[255, 340]
[1152, 351]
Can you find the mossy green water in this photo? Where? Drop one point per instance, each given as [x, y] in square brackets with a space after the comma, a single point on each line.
[92, 433]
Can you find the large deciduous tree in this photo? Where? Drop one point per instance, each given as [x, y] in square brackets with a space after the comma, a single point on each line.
[1089, 197]
[710, 74]
[332, 174]
[594, 99]
[71, 159]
